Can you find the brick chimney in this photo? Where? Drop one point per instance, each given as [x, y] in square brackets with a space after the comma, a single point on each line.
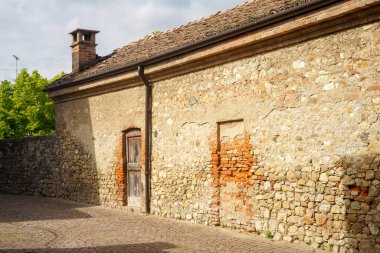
[83, 48]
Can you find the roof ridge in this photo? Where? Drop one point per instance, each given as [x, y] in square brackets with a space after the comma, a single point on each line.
[200, 19]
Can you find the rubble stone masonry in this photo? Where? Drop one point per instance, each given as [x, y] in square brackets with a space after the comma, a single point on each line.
[30, 166]
[304, 164]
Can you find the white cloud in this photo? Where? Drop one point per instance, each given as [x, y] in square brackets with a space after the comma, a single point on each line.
[37, 31]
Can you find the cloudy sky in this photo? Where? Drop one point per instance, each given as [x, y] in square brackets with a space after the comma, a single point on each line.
[37, 30]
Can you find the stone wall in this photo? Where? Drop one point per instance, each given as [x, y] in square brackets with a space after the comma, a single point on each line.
[78, 175]
[49, 166]
[304, 164]
[30, 166]
[91, 133]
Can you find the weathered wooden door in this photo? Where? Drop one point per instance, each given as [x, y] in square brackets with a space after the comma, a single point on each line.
[133, 150]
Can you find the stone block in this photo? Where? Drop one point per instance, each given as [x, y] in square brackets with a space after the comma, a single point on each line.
[308, 220]
[370, 175]
[335, 209]
[355, 205]
[324, 207]
[334, 179]
[320, 218]
[323, 177]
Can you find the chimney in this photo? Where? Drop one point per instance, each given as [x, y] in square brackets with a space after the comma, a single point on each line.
[83, 48]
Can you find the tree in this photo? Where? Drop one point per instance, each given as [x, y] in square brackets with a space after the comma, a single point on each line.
[25, 109]
[7, 122]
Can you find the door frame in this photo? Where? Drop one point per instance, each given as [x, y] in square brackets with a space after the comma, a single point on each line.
[131, 132]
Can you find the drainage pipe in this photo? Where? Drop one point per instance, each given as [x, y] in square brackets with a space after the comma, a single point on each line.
[148, 121]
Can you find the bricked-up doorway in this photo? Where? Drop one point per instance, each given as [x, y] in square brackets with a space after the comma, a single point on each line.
[133, 167]
[232, 175]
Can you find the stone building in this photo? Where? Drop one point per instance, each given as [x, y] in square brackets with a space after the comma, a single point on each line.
[264, 117]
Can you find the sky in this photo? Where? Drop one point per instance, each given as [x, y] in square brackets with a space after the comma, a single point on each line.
[36, 31]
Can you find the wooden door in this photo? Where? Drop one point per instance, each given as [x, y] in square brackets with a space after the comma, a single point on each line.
[133, 150]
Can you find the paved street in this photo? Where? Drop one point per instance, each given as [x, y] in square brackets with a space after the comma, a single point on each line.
[33, 224]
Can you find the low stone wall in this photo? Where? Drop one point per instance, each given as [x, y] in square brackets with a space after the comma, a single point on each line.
[30, 166]
[51, 166]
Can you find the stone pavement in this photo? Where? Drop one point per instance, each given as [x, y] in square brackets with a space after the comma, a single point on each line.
[34, 224]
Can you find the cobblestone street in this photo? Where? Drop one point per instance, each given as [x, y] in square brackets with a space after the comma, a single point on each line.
[33, 224]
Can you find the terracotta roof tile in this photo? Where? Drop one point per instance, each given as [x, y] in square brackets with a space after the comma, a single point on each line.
[153, 45]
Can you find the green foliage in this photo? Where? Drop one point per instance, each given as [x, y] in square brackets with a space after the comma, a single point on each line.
[7, 121]
[269, 235]
[25, 110]
[153, 34]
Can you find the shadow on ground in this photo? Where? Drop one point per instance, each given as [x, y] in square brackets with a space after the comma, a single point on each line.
[30, 208]
[153, 247]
